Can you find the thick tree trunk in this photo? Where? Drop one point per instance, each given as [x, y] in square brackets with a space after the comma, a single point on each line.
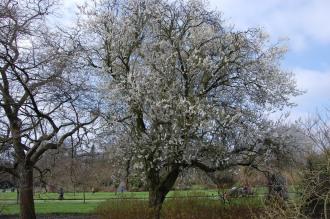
[156, 199]
[158, 189]
[26, 193]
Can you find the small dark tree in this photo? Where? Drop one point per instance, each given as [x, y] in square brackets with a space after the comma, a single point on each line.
[277, 187]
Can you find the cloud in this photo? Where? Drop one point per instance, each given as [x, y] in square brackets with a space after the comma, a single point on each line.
[299, 20]
[65, 13]
[316, 99]
[316, 83]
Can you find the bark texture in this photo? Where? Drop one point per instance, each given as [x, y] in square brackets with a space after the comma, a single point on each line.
[26, 193]
[159, 187]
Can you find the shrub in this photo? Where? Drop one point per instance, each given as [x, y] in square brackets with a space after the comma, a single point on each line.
[178, 207]
[316, 187]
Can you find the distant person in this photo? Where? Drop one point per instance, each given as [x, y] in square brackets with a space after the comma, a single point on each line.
[61, 194]
[122, 187]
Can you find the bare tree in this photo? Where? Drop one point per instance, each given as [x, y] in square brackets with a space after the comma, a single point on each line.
[316, 178]
[42, 100]
[190, 90]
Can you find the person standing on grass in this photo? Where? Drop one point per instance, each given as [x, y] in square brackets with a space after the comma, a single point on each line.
[61, 194]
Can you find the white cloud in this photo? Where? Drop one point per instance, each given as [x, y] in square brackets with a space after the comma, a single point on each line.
[300, 20]
[316, 98]
[65, 12]
[305, 23]
[316, 83]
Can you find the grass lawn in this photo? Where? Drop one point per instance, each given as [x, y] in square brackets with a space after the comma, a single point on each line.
[47, 203]
[11, 196]
[54, 207]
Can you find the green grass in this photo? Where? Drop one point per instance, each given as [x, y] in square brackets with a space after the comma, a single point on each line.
[109, 195]
[54, 207]
[47, 203]
[11, 196]
[71, 195]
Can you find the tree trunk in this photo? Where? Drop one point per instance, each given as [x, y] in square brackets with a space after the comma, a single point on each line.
[156, 199]
[158, 189]
[17, 195]
[277, 187]
[26, 193]
[128, 166]
[84, 194]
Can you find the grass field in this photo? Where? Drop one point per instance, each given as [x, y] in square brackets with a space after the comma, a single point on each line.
[47, 203]
[64, 207]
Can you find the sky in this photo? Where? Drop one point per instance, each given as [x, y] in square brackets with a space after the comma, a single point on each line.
[301, 25]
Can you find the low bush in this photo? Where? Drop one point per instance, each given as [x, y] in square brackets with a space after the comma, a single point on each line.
[178, 207]
[316, 186]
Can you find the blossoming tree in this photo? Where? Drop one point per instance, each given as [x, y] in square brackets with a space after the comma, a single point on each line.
[191, 90]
